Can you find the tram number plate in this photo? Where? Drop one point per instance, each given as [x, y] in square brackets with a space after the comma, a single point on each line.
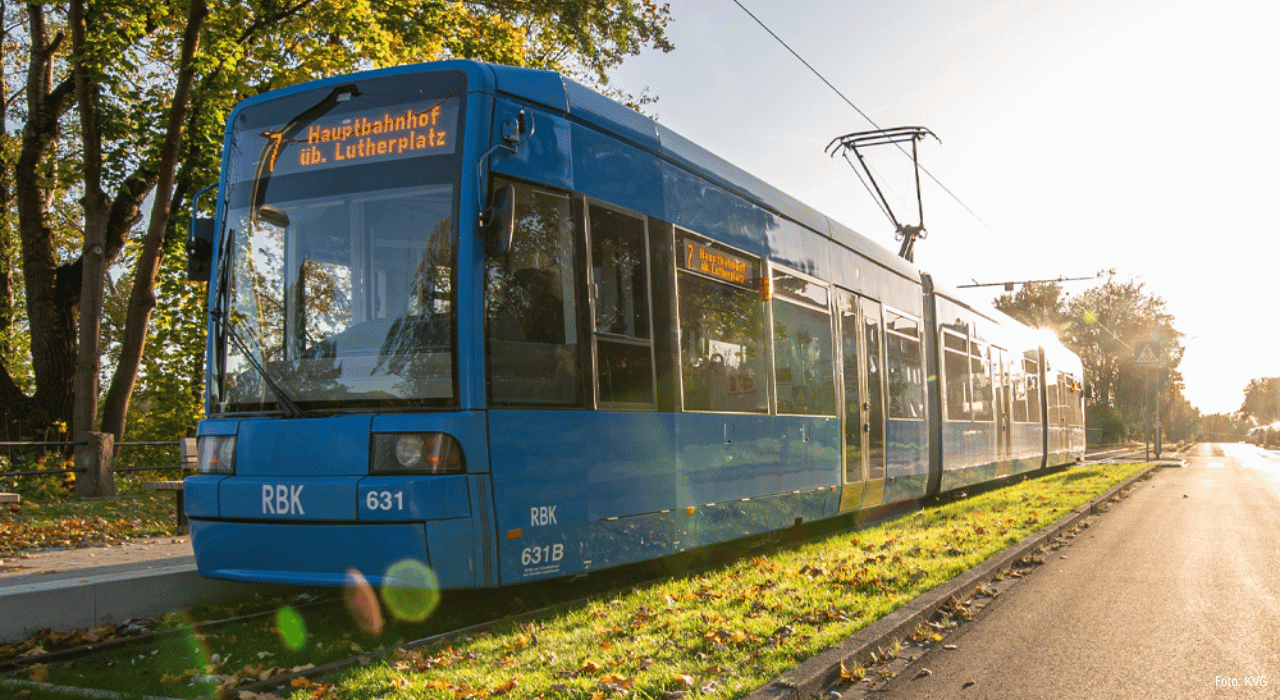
[384, 500]
[531, 556]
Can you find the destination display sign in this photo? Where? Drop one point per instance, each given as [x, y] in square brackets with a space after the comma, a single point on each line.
[409, 130]
[712, 260]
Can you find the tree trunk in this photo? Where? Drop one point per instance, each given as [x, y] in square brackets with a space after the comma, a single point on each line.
[6, 199]
[51, 290]
[96, 208]
[142, 299]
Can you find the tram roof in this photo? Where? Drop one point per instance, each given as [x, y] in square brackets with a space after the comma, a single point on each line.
[554, 91]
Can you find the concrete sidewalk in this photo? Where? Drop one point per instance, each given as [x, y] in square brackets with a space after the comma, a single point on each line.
[62, 563]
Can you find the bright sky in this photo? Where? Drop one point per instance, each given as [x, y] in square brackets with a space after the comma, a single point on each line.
[1086, 134]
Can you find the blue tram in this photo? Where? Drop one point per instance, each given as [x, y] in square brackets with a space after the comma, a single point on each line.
[484, 318]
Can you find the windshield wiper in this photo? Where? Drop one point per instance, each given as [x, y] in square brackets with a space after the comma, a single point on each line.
[228, 329]
[276, 140]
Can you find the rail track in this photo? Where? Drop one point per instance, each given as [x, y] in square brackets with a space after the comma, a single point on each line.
[479, 612]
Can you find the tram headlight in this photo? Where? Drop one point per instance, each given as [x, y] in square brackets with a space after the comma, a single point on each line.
[216, 454]
[416, 453]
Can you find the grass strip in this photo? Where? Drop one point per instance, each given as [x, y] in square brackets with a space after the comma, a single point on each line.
[722, 634]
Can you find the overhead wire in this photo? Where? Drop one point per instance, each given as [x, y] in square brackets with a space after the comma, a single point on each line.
[864, 115]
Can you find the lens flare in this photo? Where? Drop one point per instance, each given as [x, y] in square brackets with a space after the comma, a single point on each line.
[362, 603]
[293, 631]
[410, 592]
[188, 650]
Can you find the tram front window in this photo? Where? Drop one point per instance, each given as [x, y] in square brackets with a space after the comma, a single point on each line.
[339, 247]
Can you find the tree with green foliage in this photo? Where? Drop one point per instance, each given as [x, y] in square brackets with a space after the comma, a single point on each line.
[1222, 427]
[1037, 304]
[1261, 401]
[1103, 325]
[129, 56]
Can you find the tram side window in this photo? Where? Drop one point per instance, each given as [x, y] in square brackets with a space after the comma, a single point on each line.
[1032, 369]
[1071, 397]
[624, 351]
[1065, 414]
[955, 362]
[1019, 381]
[530, 306]
[1051, 399]
[980, 368]
[906, 372]
[723, 356]
[802, 352]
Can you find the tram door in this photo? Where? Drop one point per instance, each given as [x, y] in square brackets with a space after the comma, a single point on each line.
[862, 341]
[619, 295]
[1003, 392]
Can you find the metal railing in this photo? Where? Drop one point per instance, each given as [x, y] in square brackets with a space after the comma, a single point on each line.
[43, 443]
[186, 448]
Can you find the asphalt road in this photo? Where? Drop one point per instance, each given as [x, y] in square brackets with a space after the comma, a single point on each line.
[1173, 594]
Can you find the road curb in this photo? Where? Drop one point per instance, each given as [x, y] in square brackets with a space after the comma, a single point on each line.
[82, 602]
[822, 672]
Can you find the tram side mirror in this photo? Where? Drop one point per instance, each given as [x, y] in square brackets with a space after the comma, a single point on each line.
[498, 223]
[199, 249]
[273, 215]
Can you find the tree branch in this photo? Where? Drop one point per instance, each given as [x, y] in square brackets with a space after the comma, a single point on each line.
[142, 299]
[264, 21]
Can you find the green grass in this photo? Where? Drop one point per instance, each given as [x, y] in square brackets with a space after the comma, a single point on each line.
[720, 633]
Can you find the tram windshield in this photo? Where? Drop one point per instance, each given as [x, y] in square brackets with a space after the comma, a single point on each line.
[338, 252]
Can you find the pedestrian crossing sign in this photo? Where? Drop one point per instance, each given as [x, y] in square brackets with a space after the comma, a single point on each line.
[1146, 353]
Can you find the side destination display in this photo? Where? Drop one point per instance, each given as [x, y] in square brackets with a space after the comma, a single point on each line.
[717, 262]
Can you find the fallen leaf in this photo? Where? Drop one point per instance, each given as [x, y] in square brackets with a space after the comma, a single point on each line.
[618, 681]
[853, 673]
